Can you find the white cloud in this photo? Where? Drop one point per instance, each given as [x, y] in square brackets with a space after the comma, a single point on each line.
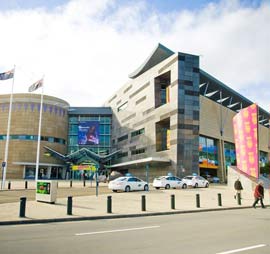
[86, 49]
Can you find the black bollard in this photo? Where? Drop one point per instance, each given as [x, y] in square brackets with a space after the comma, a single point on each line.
[109, 204]
[239, 198]
[219, 199]
[70, 184]
[69, 205]
[22, 206]
[172, 202]
[25, 184]
[9, 185]
[198, 200]
[143, 203]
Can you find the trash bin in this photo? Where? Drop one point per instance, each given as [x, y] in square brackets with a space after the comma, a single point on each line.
[46, 191]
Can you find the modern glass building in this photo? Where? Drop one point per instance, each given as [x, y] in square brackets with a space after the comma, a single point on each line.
[86, 118]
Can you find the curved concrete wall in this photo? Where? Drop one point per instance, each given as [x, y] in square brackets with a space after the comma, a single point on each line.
[24, 130]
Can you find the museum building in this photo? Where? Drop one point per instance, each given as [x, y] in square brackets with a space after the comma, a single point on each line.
[171, 116]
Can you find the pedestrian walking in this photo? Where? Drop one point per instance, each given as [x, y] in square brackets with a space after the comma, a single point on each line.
[238, 187]
[259, 194]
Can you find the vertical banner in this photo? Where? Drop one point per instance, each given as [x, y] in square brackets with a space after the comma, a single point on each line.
[245, 125]
[88, 133]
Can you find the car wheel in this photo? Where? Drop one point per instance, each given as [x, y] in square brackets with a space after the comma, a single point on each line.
[167, 186]
[196, 185]
[207, 185]
[184, 186]
[146, 188]
[114, 190]
[157, 188]
[127, 189]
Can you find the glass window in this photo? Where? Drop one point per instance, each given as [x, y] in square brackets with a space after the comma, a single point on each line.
[122, 107]
[138, 132]
[208, 157]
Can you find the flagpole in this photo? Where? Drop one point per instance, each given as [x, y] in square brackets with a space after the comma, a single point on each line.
[8, 133]
[39, 131]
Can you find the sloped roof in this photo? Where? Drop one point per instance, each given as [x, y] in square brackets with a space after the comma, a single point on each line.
[159, 54]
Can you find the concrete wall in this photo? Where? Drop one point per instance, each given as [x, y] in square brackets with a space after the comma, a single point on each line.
[25, 121]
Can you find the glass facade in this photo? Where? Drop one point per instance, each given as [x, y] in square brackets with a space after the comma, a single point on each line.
[263, 159]
[104, 145]
[188, 112]
[230, 154]
[208, 156]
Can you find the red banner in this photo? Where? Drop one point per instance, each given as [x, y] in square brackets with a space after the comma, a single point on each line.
[245, 125]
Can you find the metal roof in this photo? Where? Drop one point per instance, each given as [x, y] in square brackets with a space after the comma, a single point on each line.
[217, 91]
[159, 54]
[90, 111]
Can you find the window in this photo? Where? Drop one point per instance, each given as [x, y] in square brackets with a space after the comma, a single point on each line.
[162, 89]
[122, 138]
[163, 135]
[122, 107]
[138, 151]
[137, 133]
[121, 155]
[208, 157]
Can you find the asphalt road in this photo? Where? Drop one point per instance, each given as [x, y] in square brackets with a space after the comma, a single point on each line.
[246, 231]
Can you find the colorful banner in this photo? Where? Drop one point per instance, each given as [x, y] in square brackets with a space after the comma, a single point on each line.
[88, 133]
[84, 167]
[245, 125]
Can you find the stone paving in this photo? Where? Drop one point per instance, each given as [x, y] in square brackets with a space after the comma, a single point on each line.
[92, 206]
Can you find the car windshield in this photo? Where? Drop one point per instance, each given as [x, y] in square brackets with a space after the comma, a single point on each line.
[120, 179]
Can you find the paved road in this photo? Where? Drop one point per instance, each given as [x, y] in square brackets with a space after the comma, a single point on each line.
[245, 230]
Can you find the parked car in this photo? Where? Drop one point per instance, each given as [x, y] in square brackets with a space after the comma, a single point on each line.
[168, 182]
[128, 183]
[215, 179]
[195, 181]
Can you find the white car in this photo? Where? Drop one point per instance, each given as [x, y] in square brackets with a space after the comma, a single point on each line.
[195, 181]
[168, 182]
[128, 183]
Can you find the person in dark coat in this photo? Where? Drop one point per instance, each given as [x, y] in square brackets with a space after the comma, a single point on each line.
[238, 187]
[259, 194]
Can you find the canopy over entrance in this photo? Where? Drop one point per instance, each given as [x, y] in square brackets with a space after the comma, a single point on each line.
[83, 155]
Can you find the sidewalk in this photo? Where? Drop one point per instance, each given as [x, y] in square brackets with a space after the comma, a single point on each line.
[126, 205]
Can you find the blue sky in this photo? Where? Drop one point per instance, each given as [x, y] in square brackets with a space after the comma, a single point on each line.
[161, 5]
[73, 43]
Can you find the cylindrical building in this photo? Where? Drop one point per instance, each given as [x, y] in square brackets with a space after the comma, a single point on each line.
[24, 125]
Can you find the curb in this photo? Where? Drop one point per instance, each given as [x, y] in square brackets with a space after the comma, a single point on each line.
[116, 216]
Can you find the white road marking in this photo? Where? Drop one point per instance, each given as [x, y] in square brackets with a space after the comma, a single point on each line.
[243, 249]
[116, 230]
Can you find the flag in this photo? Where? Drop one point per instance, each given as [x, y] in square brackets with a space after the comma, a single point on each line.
[245, 125]
[7, 75]
[35, 86]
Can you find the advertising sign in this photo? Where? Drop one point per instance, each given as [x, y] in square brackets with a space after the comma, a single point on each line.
[84, 167]
[43, 188]
[245, 125]
[88, 133]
